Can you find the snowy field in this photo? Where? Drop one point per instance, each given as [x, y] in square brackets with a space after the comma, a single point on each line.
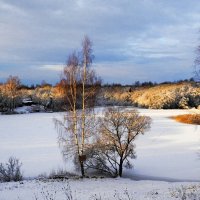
[101, 189]
[170, 151]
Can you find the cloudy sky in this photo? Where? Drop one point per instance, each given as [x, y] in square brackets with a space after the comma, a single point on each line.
[145, 40]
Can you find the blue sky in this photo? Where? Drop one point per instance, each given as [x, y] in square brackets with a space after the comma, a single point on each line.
[145, 40]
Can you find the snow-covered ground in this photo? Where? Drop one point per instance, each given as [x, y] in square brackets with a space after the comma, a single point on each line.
[99, 189]
[169, 151]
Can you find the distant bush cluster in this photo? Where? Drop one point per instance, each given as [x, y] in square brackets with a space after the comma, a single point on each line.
[164, 96]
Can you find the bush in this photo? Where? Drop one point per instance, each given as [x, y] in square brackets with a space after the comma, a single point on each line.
[11, 171]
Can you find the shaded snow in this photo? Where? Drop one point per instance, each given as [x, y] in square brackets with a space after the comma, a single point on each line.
[170, 150]
[23, 109]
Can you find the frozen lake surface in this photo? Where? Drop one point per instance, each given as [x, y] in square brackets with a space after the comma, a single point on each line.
[169, 151]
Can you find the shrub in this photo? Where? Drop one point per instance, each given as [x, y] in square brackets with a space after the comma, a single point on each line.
[11, 171]
[186, 193]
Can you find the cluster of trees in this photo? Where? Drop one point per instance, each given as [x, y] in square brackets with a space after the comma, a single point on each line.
[100, 143]
[45, 96]
[181, 95]
[13, 94]
[108, 144]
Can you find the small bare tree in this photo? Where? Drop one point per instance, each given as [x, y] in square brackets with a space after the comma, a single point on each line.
[115, 142]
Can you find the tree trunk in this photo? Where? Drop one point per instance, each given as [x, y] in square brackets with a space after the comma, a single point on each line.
[82, 169]
[10, 105]
[13, 104]
[120, 167]
[83, 107]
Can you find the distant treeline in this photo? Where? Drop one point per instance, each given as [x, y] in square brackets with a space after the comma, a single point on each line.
[146, 83]
[46, 97]
[179, 95]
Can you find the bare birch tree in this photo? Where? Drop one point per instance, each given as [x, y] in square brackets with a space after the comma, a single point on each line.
[81, 85]
[90, 86]
[69, 136]
[87, 60]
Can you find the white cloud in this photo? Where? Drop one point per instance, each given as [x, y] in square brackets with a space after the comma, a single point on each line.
[52, 67]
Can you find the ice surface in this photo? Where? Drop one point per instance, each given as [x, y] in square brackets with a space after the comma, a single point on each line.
[170, 150]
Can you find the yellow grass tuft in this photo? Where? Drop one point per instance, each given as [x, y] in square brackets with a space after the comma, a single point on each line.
[188, 118]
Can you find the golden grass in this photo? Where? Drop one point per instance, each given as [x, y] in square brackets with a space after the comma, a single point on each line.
[188, 118]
